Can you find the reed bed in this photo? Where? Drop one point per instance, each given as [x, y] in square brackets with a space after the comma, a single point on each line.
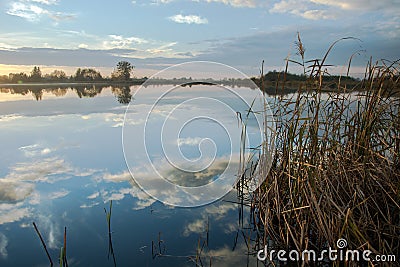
[335, 169]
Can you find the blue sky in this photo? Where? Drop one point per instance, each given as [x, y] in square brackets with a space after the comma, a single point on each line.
[154, 34]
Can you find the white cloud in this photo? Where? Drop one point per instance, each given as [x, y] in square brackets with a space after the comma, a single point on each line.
[303, 8]
[83, 46]
[45, 2]
[340, 4]
[121, 42]
[234, 3]
[166, 48]
[59, 16]
[45, 151]
[188, 19]
[190, 141]
[29, 12]
[388, 6]
[158, 2]
[317, 14]
[33, 12]
[238, 3]
[326, 9]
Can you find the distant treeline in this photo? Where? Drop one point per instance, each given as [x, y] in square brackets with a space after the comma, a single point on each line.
[280, 76]
[122, 73]
[273, 81]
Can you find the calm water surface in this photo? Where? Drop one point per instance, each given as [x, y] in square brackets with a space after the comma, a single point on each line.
[62, 163]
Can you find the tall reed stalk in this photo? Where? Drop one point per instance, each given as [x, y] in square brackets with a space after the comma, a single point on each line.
[336, 168]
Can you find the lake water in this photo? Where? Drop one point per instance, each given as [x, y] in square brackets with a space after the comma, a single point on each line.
[62, 162]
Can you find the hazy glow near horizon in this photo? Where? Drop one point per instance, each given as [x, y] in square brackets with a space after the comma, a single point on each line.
[61, 34]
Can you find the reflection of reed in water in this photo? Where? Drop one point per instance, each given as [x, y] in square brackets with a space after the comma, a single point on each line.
[110, 244]
[63, 251]
[158, 249]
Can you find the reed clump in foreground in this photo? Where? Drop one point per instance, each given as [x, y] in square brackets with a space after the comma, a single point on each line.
[335, 168]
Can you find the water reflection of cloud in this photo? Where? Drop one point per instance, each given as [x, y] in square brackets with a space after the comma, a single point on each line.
[216, 212]
[47, 170]
[35, 150]
[142, 200]
[59, 194]
[94, 195]
[226, 257]
[88, 206]
[198, 226]
[230, 228]
[112, 119]
[18, 187]
[217, 178]
[11, 191]
[13, 213]
[117, 178]
[220, 211]
[3, 246]
[10, 117]
[193, 179]
[50, 229]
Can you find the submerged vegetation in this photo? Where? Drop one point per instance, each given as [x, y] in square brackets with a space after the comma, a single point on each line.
[335, 169]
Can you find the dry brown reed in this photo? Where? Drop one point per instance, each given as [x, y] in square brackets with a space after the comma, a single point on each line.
[336, 167]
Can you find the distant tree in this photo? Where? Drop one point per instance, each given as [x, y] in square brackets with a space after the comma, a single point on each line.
[123, 71]
[57, 75]
[78, 75]
[4, 79]
[91, 75]
[87, 75]
[18, 77]
[36, 74]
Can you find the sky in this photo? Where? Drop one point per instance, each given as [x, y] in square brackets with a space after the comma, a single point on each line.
[152, 35]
